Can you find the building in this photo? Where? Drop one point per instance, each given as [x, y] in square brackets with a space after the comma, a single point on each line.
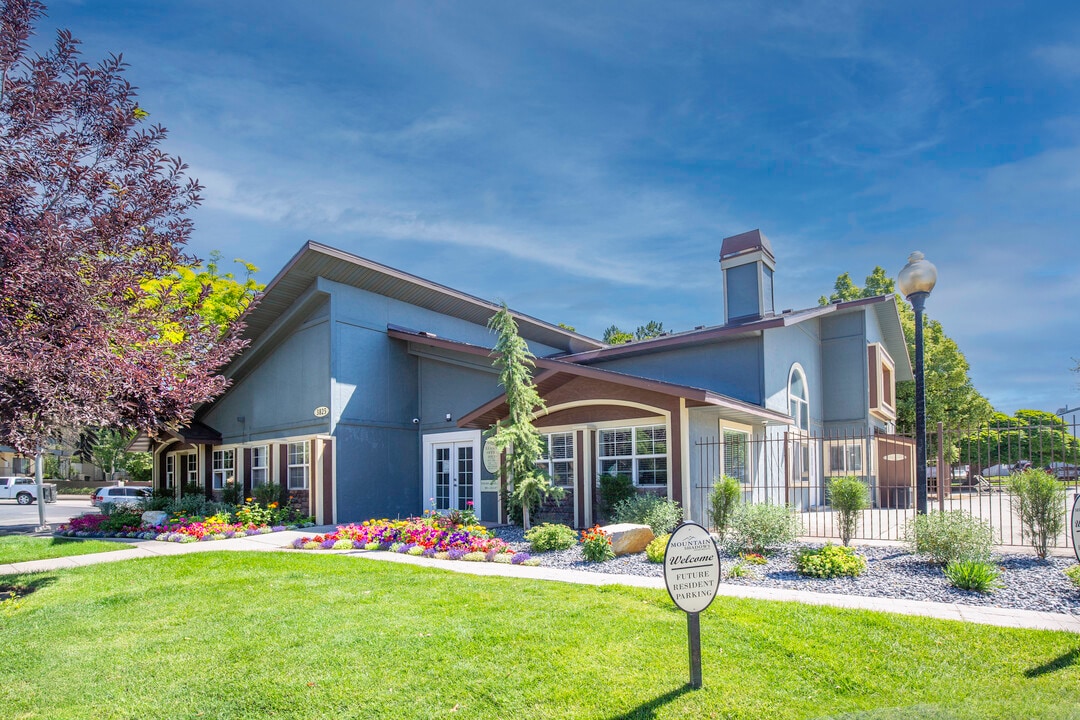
[366, 391]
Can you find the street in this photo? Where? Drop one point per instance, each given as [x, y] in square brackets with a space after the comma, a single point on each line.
[23, 519]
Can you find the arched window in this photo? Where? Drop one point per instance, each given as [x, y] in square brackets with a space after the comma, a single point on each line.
[799, 398]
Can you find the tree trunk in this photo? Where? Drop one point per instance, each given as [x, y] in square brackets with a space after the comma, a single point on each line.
[525, 516]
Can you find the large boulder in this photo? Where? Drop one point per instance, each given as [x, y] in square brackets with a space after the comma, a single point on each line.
[628, 538]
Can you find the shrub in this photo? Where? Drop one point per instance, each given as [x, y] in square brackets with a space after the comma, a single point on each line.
[829, 561]
[549, 536]
[739, 570]
[848, 496]
[756, 528]
[1039, 500]
[119, 517]
[661, 514]
[657, 547]
[596, 545]
[614, 489]
[973, 575]
[270, 493]
[950, 536]
[1073, 573]
[725, 496]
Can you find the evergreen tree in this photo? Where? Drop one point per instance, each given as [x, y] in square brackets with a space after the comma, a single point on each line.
[516, 435]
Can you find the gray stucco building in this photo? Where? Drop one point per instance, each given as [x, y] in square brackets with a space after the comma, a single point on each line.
[366, 391]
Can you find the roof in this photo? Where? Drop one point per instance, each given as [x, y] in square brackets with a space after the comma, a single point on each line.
[194, 433]
[315, 260]
[745, 243]
[884, 307]
[556, 372]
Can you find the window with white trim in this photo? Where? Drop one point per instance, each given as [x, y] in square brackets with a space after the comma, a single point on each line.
[735, 455]
[799, 399]
[191, 463]
[223, 471]
[637, 452]
[298, 465]
[557, 458]
[260, 465]
[170, 471]
[846, 458]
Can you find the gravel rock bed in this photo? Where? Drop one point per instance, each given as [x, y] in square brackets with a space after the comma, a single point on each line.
[1029, 583]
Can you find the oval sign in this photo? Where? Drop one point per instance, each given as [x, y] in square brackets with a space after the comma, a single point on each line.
[322, 411]
[1074, 523]
[491, 457]
[691, 567]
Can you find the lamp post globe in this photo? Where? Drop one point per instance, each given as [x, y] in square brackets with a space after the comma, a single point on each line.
[915, 281]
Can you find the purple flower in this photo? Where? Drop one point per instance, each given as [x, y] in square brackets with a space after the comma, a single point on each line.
[406, 547]
[298, 543]
[519, 558]
[428, 552]
[456, 553]
[358, 544]
[385, 545]
[491, 555]
[278, 528]
[327, 544]
[230, 534]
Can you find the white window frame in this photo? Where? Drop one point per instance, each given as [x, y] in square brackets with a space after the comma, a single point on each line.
[256, 467]
[170, 471]
[191, 467]
[798, 406]
[548, 463]
[634, 457]
[851, 459]
[291, 464]
[221, 470]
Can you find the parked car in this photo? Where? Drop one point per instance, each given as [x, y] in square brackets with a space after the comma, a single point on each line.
[1005, 469]
[119, 495]
[23, 490]
[1063, 470]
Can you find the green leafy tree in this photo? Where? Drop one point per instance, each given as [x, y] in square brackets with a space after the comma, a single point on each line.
[570, 328]
[615, 336]
[1034, 435]
[951, 397]
[218, 298]
[108, 450]
[649, 330]
[516, 435]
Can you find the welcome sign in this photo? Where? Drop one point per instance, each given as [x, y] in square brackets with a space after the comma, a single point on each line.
[692, 577]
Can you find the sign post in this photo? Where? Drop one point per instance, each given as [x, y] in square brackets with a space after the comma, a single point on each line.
[692, 577]
[1074, 525]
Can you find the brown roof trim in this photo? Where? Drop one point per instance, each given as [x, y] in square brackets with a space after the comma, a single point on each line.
[256, 324]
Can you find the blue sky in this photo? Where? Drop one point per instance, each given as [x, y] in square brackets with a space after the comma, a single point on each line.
[583, 161]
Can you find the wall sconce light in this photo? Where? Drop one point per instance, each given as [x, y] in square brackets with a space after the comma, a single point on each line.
[448, 418]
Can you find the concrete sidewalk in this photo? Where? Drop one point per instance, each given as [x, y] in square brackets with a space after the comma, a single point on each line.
[282, 542]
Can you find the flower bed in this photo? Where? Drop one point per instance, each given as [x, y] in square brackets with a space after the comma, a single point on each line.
[430, 536]
[179, 529]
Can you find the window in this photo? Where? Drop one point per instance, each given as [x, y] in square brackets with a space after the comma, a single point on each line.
[846, 458]
[735, 465]
[557, 458]
[223, 472]
[170, 470]
[260, 469]
[882, 383]
[639, 453]
[799, 398]
[192, 472]
[298, 465]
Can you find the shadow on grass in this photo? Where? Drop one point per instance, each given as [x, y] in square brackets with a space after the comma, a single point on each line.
[22, 588]
[648, 709]
[1059, 663]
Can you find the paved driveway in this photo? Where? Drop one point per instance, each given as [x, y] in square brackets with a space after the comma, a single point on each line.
[18, 519]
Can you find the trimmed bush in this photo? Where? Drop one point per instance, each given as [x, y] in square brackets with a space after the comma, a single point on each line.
[848, 497]
[614, 489]
[660, 514]
[757, 528]
[656, 548]
[950, 536]
[726, 494]
[549, 536]
[829, 561]
[1073, 573]
[1039, 500]
[973, 575]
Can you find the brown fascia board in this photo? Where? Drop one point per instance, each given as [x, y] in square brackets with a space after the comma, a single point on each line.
[314, 248]
[552, 366]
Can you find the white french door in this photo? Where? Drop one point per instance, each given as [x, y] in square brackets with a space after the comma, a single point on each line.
[454, 476]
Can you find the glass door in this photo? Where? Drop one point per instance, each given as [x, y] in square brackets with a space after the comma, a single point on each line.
[454, 476]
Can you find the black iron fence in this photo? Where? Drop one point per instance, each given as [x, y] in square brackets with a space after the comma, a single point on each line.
[976, 465]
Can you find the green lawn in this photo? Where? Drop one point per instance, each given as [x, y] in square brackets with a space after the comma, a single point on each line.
[20, 548]
[257, 635]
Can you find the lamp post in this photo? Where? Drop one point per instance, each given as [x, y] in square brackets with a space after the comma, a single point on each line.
[916, 280]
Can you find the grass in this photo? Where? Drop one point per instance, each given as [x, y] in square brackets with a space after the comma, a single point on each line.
[20, 548]
[255, 635]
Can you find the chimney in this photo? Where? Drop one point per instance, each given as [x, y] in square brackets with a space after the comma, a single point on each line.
[747, 265]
